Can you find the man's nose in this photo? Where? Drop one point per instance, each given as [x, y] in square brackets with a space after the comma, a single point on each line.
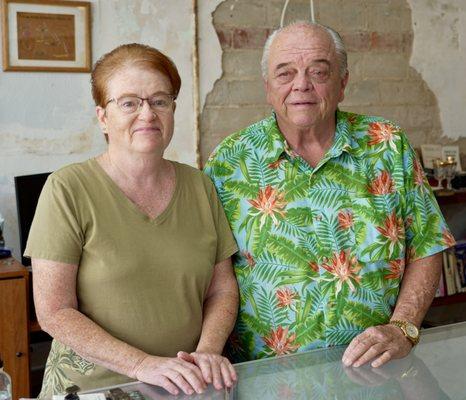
[302, 82]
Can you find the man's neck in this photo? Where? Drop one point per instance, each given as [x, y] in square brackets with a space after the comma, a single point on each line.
[311, 143]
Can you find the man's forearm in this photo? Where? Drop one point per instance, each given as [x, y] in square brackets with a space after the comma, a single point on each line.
[418, 286]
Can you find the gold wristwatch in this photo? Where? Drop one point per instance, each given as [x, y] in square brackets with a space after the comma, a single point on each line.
[409, 330]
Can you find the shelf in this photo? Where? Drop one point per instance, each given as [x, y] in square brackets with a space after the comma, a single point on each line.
[457, 197]
[444, 300]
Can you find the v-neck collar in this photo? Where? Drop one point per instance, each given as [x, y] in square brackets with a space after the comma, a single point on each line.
[130, 205]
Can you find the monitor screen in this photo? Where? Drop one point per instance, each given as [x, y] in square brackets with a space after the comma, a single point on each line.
[28, 188]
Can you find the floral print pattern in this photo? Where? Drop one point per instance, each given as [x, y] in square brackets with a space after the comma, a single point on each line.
[323, 249]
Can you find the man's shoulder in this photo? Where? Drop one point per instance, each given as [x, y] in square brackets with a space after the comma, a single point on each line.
[372, 133]
[242, 137]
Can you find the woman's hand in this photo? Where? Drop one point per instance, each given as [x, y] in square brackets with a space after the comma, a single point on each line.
[172, 374]
[214, 367]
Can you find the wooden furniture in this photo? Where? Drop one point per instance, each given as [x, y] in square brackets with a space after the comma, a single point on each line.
[458, 198]
[14, 324]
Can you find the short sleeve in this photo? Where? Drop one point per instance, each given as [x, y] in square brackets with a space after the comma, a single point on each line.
[226, 244]
[427, 232]
[55, 232]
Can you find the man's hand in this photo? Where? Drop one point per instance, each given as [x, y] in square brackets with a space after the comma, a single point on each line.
[214, 367]
[381, 343]
[172, 374]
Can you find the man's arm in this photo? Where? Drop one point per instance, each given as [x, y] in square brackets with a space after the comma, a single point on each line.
[220, 311]
[384, 342]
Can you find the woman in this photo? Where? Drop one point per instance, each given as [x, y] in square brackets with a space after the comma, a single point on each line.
[130, 251]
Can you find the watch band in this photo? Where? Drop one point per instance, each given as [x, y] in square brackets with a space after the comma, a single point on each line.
[405, 326]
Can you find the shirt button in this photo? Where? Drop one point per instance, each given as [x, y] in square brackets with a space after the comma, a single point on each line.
[324, 259]
[318, 217]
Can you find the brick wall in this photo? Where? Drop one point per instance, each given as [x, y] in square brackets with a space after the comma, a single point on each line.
[378, 35]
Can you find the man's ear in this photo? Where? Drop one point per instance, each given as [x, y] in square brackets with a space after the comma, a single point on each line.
[343, 83]
[266, 88]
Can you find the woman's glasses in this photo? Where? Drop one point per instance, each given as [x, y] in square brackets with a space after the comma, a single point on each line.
[161, 102]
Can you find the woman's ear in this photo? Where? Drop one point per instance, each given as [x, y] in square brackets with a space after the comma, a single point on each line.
[102, 117]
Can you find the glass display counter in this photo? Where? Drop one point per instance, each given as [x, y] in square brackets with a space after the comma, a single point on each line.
[436, 369]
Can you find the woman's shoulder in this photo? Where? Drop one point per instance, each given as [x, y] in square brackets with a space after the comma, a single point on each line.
[193, 177]
[73, 173]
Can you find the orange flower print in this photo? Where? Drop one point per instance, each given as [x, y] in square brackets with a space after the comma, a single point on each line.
[418, 173]
[393, 230]
[345, 269]
[313, 265]
[380, 132]
[280, 342]
[275, 164]
[448, 238]
[285, 297]
[383, 184]
[345, 219]
[269, 202]
[396, 269]
[249, 258]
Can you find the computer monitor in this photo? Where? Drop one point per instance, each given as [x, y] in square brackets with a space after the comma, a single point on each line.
[28, 188]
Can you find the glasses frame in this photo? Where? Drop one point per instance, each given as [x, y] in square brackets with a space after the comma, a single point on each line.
[142, 99]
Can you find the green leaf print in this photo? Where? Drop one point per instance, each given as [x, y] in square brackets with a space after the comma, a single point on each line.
[363, 316]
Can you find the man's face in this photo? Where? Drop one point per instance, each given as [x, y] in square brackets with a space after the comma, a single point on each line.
[304, 85]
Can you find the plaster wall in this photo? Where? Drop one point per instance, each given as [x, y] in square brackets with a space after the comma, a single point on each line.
[47, 120]
[439, 55]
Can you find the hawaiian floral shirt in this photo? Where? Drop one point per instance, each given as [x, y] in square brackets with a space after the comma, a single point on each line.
[322, 250]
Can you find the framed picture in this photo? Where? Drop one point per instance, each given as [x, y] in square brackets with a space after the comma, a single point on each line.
[46, 35]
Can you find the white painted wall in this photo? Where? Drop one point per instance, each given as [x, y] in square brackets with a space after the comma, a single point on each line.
[47, 120]
[439, 55]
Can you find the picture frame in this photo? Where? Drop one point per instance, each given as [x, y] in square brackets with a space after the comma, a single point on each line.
[46, 35]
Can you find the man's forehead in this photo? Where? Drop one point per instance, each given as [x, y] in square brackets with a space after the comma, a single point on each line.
[303, 41]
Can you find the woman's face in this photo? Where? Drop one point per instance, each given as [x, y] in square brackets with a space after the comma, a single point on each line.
[144, 130]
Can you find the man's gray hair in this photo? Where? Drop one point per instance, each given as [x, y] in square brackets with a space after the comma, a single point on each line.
[338, 42]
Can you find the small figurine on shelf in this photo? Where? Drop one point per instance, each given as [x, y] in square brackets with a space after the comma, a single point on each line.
[439, 173]
[5, 384]
[450, 171]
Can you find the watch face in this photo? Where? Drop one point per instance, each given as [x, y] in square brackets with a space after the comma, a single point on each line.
[411, 330]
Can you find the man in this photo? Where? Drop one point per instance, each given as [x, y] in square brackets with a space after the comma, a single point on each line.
[327, 208]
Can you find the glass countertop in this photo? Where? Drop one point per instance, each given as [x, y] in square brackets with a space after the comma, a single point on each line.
[436, 369]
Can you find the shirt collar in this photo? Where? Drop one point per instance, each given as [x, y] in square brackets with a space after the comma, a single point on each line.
[343, 142]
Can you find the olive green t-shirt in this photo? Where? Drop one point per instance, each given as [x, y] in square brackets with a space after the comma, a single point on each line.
[143, 280]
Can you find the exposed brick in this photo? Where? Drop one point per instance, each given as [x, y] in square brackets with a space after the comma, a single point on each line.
[356, 41]
[362, 92]
[392, 41]
[241, 13]
[219, 94]
[402, 92]
[239, 63]
[389, 16]
[379, 65]
[225, 36]
[250, 38]
[247, 92]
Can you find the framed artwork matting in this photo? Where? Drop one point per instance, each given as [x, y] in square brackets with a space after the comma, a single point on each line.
[46, 35]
